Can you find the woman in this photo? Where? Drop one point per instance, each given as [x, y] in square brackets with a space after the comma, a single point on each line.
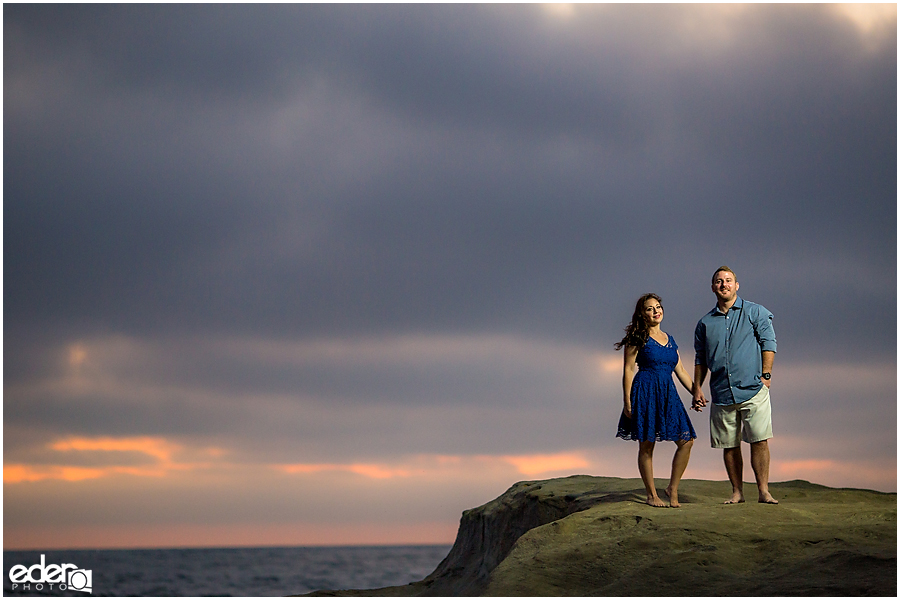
[653, 411]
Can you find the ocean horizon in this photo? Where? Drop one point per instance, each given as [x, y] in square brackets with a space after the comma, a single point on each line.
[239, 571]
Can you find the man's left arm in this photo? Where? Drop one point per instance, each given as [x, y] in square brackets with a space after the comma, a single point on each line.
[768, 359]
[765, 335]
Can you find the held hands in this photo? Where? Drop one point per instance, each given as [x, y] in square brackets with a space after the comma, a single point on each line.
[699, 401]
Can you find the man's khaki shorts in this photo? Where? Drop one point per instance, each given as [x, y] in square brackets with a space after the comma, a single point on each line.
[750, 421]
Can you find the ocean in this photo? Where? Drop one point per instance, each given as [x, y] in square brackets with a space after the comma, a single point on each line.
[225, 571]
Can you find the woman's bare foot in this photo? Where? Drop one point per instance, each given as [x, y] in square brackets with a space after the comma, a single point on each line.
[736, 498]
[655, 501]
[673, 497]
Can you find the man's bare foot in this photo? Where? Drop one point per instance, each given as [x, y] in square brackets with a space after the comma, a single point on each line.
[655, 501]
[673, 497]
[736, 498]
[766, 498]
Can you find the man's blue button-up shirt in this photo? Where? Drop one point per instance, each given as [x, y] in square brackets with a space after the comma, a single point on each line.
[731, 345]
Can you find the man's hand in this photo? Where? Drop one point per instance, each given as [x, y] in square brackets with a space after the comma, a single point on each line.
[699, 401]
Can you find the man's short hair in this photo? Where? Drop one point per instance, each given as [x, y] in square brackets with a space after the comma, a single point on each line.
[723, 268]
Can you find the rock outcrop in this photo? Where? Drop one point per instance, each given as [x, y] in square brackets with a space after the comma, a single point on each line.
[589, 536]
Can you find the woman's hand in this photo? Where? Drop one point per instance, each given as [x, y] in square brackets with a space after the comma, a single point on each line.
[627, 409]
[698, 401]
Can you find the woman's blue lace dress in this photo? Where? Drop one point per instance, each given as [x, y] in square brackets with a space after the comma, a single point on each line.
[657, 413]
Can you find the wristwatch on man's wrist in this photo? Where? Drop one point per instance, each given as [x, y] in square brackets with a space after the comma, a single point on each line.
[767, 376]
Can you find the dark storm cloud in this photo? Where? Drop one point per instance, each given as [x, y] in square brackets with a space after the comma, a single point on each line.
[346, 170]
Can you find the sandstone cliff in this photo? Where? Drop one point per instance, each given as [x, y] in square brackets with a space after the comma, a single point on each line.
[587, 536]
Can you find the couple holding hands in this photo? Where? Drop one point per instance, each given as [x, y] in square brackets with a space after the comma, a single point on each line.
[735, 345]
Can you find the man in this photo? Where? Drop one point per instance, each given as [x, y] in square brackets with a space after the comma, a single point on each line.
[735, 345]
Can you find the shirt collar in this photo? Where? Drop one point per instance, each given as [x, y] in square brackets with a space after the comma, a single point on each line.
[738, 305]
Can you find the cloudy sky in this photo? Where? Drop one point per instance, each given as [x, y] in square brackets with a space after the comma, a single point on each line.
[328, 274]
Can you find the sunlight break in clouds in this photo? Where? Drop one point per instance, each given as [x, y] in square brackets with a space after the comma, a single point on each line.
[113, 456]
[77, 355]
[869, 18]
[562, 10]
[367, 470]
[710, 29]
[18, 473]
[158, 448]
[539, 464]
[431, 466]
[610, 362]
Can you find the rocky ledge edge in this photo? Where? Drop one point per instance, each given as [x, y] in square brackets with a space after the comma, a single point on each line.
[590, 536]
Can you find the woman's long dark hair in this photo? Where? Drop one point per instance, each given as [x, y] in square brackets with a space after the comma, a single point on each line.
[636, 333]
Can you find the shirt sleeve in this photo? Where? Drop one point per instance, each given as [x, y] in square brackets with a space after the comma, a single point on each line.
[765, 331]
[700, 344]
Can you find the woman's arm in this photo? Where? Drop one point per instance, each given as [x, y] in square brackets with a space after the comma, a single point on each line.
[683, 376]
[628, 376]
